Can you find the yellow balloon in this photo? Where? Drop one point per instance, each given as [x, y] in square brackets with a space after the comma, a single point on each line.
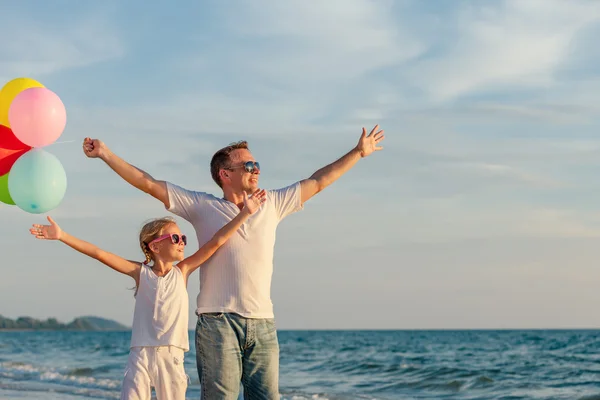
[10, 91]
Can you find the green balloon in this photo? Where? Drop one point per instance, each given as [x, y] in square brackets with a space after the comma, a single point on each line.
[4, 194]
[37, 182]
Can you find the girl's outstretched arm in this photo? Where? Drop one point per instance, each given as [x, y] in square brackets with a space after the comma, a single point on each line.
[54, 232]
[251, 205]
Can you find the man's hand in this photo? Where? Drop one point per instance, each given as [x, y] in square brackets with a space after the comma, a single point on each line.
[93, 148]
[369, 143]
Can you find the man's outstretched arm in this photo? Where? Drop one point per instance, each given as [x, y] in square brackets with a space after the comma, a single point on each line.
[95, 148]
[330, 173]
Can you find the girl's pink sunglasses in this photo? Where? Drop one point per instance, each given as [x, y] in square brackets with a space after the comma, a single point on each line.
[174, 238]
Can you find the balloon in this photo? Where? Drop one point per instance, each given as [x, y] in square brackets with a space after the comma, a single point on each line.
[10, 91]
[37, 117]
[4, 194]
[37, 182]
[11, 149]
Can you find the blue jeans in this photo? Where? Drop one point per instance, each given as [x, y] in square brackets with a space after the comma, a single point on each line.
[231, 349]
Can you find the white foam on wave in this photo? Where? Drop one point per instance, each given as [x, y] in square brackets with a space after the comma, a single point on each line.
[80, 380]
[16, 370]
[17, 366]
[323, 396]
[307, 397]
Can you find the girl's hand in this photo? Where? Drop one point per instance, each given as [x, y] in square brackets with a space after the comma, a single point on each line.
[253, 203]
[48, 232]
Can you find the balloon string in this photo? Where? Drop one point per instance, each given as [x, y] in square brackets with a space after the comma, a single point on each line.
[64, 141]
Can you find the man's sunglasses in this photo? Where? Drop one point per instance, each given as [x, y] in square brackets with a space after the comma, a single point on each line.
[249, 166]
[175, 238]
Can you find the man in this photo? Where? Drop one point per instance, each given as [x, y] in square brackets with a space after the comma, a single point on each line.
[236, 338]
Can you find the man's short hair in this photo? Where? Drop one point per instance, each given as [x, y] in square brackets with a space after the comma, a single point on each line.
[222, 159]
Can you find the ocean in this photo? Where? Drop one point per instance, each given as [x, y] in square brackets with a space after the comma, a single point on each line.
[333, 365]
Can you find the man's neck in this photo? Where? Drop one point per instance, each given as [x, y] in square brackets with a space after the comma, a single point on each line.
[234, 197]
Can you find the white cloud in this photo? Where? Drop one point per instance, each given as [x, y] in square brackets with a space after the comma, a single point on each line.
[500, 220]
[40, 48]
[519, 44]
[500, 171]
[556, 114]
[306, 60]
[324, 41]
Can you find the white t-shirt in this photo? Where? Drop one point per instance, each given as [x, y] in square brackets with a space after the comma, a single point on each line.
[237, 278]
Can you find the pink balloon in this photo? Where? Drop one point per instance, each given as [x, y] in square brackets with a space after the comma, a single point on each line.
[37, 117]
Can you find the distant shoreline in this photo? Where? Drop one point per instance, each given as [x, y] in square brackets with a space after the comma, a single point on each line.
[82, 324]
[62, 330]
[191, 329]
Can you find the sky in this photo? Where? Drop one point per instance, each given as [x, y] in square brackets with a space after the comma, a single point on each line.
[481, 212]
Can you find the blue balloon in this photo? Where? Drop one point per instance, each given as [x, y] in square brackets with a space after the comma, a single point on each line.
[37, 182]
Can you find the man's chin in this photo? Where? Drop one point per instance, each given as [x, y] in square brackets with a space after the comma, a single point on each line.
[252, 188]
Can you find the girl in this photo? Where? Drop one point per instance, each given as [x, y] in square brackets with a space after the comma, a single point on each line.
[159, 335]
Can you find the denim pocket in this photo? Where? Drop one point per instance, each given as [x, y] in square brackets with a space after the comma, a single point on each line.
[271, 327]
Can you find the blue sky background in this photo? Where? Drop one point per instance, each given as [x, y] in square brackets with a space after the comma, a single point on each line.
[481, 212]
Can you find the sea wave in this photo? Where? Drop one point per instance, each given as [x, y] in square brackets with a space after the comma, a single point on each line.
[337, 365]
[79, 377]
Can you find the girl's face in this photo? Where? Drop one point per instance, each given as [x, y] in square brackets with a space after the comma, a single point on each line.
[170, 244]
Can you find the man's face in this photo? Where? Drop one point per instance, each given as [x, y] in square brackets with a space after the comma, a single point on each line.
[239, 178]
